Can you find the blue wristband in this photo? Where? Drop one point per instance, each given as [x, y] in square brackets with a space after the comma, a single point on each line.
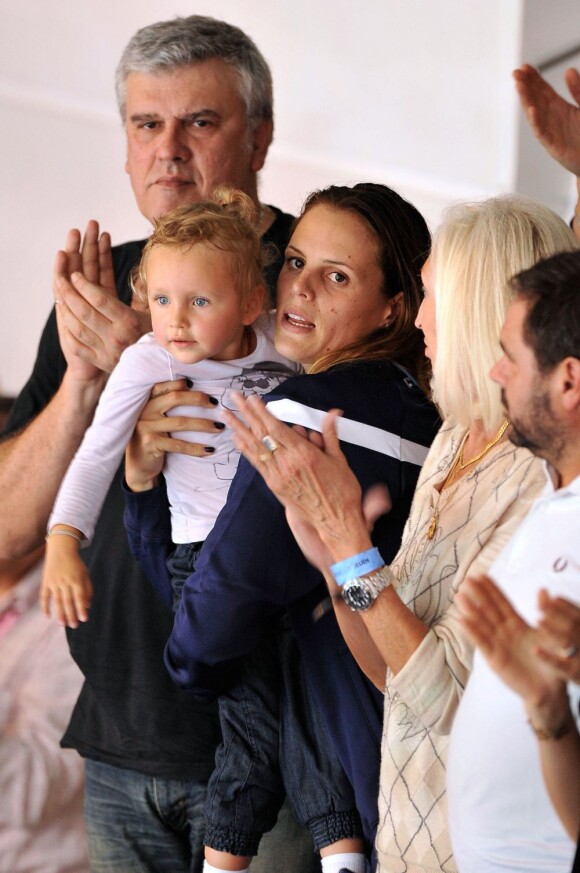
[358, 565]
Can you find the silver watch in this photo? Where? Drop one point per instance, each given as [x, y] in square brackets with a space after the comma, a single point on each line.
[361, 592]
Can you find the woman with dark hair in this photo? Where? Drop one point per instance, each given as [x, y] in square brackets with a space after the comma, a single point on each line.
[403, 624]
[348, 295]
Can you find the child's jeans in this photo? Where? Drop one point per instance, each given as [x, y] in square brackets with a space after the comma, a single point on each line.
[274, 743]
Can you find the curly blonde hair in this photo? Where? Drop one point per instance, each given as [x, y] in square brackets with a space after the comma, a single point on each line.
[227, 221]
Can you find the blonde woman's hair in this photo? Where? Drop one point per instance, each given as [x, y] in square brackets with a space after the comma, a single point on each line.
[227, 221]
[477, 250]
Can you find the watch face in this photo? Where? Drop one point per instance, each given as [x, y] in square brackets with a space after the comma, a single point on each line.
[357, 595]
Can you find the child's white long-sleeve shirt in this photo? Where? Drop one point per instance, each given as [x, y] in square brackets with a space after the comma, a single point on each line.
[197, 487]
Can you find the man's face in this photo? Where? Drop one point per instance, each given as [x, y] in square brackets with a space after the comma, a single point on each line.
[187, 132]
[526, 392]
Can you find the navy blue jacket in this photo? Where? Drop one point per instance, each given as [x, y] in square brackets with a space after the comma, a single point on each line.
[251, 568]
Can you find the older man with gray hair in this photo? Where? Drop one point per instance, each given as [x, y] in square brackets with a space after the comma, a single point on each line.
[195, 96]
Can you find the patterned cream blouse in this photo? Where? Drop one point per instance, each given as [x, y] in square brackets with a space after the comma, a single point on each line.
[478, 514]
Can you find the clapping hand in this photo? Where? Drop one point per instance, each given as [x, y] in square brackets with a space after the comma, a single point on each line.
[554, 121]
[94, 326]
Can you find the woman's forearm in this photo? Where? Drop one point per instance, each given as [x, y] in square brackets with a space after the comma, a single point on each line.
[361, 644]
[394, 629]
[148, 527]
[323, 500]
[357, 637]
[384, 636]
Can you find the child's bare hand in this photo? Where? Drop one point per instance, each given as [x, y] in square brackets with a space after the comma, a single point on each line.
[66, 590]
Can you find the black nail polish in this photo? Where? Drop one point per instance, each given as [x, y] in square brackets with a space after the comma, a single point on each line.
[214, 400]
[219, 425]
[189, 382]
[209, 449]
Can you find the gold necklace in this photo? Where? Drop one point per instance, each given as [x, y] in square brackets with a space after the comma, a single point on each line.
[457, 465]
[463, 464]
[434, 523]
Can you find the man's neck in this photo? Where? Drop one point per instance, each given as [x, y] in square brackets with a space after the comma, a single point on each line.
[566, 477]
[564, 470]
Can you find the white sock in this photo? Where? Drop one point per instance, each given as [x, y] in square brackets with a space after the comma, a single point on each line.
[209, 868]
[355, 862]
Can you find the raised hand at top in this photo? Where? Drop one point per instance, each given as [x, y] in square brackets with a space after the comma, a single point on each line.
[554, 121]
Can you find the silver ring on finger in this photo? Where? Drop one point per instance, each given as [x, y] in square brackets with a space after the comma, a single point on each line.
[270, 443]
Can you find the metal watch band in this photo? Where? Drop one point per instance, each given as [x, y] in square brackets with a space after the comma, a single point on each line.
[360, 593]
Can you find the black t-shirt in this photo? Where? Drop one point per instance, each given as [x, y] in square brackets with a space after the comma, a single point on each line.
[276, 238]
[129, 712]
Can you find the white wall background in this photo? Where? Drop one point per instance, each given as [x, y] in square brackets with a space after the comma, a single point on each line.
[414, 93]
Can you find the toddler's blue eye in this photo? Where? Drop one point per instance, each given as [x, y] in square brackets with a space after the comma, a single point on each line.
[162, 299]
[200, 301]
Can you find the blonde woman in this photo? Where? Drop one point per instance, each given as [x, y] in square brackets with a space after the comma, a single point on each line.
[471, 494]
